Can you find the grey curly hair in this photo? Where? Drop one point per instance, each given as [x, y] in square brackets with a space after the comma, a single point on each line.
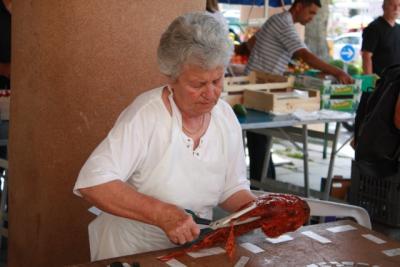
[198, 38]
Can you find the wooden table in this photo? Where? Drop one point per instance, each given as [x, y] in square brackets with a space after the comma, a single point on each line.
[349, 246]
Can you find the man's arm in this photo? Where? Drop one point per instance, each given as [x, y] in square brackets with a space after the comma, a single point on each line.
[251, 42]
[366, 62]
[237, 200]
[317, 63]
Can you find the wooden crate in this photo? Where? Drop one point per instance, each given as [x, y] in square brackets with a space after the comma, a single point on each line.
[256, 81]
[235, 86]
[232, 99]
[281, 100]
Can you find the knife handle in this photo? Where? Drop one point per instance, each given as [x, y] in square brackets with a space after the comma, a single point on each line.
[198, 219]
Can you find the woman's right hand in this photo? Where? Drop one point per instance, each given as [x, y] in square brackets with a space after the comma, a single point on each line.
[178, 225]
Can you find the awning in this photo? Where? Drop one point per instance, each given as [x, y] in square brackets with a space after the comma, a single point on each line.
[272, 3]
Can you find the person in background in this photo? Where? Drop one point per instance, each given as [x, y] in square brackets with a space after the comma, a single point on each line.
[381, 40]
[5, 43]
[175, 147]
[380, 49]
[272, 47]
[277, 42]
[5, 59]
[212, 6]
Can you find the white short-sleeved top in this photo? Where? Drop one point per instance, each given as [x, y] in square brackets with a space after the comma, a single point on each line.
[276, 42]
[143, 132]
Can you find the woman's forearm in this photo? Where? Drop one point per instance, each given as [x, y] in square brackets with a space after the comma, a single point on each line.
[366, 62]
[237, 200]
[120, 199]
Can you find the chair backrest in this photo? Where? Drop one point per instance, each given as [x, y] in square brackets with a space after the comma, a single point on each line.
[329, 208]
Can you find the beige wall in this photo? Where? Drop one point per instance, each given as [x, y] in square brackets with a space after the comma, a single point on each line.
[75, 65]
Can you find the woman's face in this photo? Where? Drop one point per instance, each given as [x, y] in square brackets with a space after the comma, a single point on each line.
[196, 90]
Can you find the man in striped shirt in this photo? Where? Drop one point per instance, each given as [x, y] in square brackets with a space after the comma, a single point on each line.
[277, 42]
[271, 50]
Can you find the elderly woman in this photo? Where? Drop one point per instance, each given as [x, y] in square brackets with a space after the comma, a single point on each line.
[175, 147]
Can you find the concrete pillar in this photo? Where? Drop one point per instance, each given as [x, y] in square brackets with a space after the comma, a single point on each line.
[75, 65]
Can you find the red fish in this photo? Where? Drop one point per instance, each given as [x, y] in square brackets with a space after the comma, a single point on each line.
[279, 214]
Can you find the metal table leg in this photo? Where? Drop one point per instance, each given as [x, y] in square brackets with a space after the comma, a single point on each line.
[326, 129]
[266, 160]
[244, 140]
[328, 183]
[305, 161]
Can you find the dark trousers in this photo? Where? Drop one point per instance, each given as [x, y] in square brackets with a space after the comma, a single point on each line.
[257, 146]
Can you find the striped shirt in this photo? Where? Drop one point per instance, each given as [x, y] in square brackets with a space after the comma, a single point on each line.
[276, 42]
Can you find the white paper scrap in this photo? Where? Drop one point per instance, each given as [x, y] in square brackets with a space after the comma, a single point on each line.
[348, 263]
[312, 265]
[206, 252]
[374, 239]
[175, 263]
[95, 210]
[341, 228]
[315, 236]
[279, 239]
[251, 247]
[242, 261]
[334, 262]
[392, 252]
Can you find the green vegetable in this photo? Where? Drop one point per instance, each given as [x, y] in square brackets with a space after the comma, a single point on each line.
[353, 70]
[239, 110]
[337, 63]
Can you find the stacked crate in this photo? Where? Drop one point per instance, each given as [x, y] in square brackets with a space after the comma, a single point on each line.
[341, 97]
[234, 87]
[269, 93]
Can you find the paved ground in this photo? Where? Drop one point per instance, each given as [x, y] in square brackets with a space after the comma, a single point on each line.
[290, 164]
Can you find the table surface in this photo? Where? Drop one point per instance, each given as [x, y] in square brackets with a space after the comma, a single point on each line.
[349, 246]
[258, 119]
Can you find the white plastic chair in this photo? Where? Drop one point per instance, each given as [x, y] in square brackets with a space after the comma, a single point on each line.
[329, 208]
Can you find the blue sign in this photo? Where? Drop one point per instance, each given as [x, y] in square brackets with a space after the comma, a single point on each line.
[347, 53]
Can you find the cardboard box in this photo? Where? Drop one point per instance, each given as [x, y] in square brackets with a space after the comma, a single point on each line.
[341, 97]
[340, 187]
[281, 100]
[347, 104]
[326, 87]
